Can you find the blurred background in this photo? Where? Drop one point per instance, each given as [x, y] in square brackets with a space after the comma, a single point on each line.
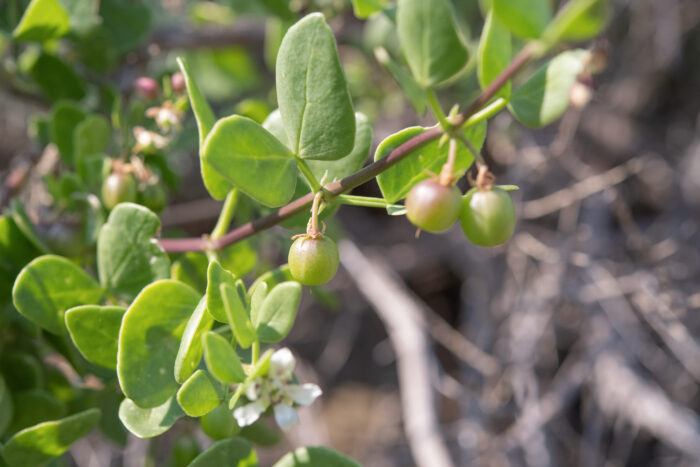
[573, 344]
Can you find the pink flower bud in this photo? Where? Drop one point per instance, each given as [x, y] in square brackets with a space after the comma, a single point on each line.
[147, 88]
[177, 81]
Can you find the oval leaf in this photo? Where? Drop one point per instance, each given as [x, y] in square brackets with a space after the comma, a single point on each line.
[147, 423]
[274, 318]
[95, 332]
[65, 118]
[525, 18]
[494, 53]
[41, 21]
[190, 352]
[429, 39]
[128, 258]
[48, 286]
[578, 20]
[149, 340]
[198, 396]
[221, 359]
[231, 452]
[216, 276]
[34, 406]
[315, 456]
[312, 92]
[251, 158]
[238, 319]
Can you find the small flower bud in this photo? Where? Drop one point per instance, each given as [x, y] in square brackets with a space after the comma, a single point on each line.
[146, 88]
[177, 81]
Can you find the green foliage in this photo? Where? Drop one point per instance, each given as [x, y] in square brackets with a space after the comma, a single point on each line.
[232, 452]
[274, 317]
[198, 395]
[91, 136]
[95, 332]
[56, 78]
[190, 352]
[16, 251]
[128, 23]
[6, 406]
[525, 18]
[216, 277]
[148, 423]
[430, 41]
[43, 20]
[65, 117]
[494, 53]
[366, 8]
[578, 20]
[221, 359]
[237, 313]
[315, 456]
[32, 407]
[415, 94]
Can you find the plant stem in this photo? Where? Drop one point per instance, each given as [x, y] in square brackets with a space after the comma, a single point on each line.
[313, 226]
[306, 171]
[226, 215]
[487, 112]
[255, 352]
[366, 201]
[178, 245]
[436, 109]
[446, 174]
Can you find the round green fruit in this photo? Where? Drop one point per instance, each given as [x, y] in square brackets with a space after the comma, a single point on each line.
[154, 197]
[219, 423]
[118, 188]
[488, 217]
[433, 207]
[313, 261]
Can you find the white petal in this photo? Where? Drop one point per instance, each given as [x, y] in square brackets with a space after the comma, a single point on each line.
[251, 392]
[303, 394]
[247, 414]
[285, 416]
[282, 364]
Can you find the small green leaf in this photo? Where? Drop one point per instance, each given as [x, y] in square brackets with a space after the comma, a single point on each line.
[34, 406]
[251, 158]
[315, 456]
[239, 258]
[398, 180]
[494, 53]
[149, 341]
[128, 258]
[90, 137]
[366, 8]
[149, 423]
[128, 23]
[21, 219]
[545, 96]
[16, 251]
[221, 359]
[578, 20]
[56, 78]
[261, 434]
[525, 18]
[42, 20]
[21, 370]
[312, 92]
[430, 41]
[65, 118]
[231, 452]
[190, 352]
[238, 319]
[37, 445]
[95, 332]
[274, 318]
[191, 268]
[48, 286]
[216, 276]
[415, 94]
[217, 185]
[6, 407]
[198, 395]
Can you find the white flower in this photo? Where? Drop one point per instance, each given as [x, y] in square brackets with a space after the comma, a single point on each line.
[148, 140]
[166, 116]
[276, 389]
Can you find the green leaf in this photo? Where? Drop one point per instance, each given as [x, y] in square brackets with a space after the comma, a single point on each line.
[65, 118]
[260, 369]
[21, 370]
[274, 318]
[90, 137]
[148, 423]
[190, 352]
[56, 78]
[312, 92]
[578, 20]
[415, 94]
[48, 286]
[95, 332]
[261, 434]
[21, 220]
[34, 406]
[191, 268]
[525, 18]
[15, 252]
[366, 8]
[545, 96]
[231, 452]
[128, 23]
[258, 292]
[398, 180]
[221, 359]
[494, 53]
[238, 319]
[239, 258]
[42, 20]
[37, 445]
[251, 158]
[6, 407]
[217, 185]
[128, 258]
[216, 276]
[149, 341]
[430, 41]
[315, 456]
[198, 395]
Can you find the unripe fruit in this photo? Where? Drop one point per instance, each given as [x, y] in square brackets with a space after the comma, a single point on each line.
[146, 88]
[219, 423]
[313, 261]
[433, 207]
[118, 188]
[177, 81]
[488, 217]
[154, 197]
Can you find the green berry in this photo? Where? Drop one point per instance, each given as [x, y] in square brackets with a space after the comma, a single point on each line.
[313, 261]
[118, 188]
[433, 207]
[488, 217]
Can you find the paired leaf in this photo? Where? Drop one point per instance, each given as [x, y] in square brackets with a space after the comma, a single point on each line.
[65, 118]
[90, 137]
[95, 332]
[48, 286]
[312, 92]
[217, 186]
[231, 452]
[274, 318]
[42, 20]
[494, 53]
[128, 258]
[37, 445]
[525, 18]
[430, 41]
[398, 180]
[252, 159]
[545, 96]
[148, 423]
[216, 276]
[34, 406]
[149, 341]
[198, 396]
[578, 20]
[221, 359]
[190, 352]
[315, 456]
[237, 314]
